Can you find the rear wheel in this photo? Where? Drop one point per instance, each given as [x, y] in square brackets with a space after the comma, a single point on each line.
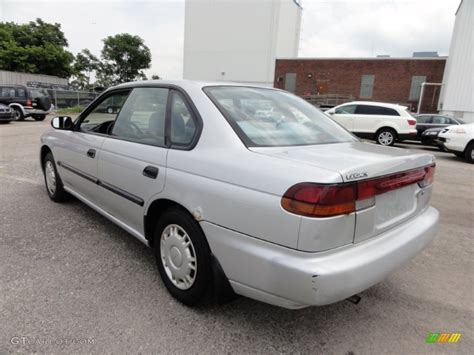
[386, 136]
[183, 257]
[54, 185]
[39, 117]
[469, 153]
[18, 114]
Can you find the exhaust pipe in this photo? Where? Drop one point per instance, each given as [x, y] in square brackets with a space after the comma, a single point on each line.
[354, 299]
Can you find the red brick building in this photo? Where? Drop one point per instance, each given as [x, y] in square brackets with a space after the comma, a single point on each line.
[385, 79]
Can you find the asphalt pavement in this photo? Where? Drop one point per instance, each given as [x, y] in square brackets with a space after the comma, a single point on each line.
[73, 282]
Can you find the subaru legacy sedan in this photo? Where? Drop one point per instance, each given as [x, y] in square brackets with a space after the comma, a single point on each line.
[243, 190]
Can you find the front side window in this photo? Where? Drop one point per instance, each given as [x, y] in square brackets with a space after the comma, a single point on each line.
[183, 126]
[102, 117]
[345, 110]
[7, 92]
[142, 118]
[267, 117]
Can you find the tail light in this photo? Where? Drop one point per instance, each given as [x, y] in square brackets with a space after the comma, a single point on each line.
[411, 122]
[314, 200]
[429, 176]
[29, 102]
[318, 200]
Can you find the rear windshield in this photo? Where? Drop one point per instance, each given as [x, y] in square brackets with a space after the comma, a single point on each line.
[272, 118]
[34, 93]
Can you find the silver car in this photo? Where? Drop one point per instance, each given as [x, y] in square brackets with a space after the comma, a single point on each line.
[243, 189]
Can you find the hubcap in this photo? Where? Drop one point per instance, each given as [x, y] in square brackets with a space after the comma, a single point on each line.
[16, 114]
[178, 256]
[385, 138]
[50, 177]
[472, 154]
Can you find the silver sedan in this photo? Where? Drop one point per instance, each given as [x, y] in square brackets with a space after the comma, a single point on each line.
[243, 190]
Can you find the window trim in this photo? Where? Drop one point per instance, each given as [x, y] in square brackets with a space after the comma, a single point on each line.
[188, 102]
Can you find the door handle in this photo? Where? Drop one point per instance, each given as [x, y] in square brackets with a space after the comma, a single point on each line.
[151, 172]
[91, 153]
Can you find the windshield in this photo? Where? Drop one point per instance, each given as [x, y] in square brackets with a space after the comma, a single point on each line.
[271, 118]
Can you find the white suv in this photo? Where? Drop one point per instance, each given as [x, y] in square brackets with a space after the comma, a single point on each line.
[459, 140]
[382, 122]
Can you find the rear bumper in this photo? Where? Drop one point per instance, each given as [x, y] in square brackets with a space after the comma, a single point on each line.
[410, 135]
[295, 279]
[32, 111]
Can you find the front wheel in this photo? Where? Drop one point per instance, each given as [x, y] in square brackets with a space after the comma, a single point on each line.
[183, 257]
[54, 185]
[386, 136]
[469, 153]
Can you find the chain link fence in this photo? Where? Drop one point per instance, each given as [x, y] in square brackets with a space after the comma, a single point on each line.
[70, 98]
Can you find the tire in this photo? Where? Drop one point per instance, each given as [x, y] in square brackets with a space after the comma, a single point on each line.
[18, 114]
[39, 117]
[52, 180]
[179, 240]
[386, 136]
[469, 153]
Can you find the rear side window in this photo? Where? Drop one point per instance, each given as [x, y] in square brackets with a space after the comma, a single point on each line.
[7, 92]
[441, 120]
[183, 126]
[375, 110]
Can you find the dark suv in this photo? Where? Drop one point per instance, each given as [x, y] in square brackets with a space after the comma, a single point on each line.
[26, 102]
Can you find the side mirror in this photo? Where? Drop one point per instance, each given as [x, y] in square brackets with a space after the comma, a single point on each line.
[330, 112]
[62, 122]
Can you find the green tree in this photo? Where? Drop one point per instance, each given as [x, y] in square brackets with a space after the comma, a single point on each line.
[155, 77]
[123, 59]
[84, 65]
[37, 47]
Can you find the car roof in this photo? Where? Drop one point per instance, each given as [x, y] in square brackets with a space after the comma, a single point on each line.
[188, 84]
[375, 103]
[432, 114]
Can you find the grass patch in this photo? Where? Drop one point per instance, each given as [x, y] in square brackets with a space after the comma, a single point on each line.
[74, 109]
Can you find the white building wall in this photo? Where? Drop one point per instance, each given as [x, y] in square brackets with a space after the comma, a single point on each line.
[457, 95]
[238, 40]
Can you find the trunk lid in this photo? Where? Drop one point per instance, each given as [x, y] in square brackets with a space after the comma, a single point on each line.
[356, 161]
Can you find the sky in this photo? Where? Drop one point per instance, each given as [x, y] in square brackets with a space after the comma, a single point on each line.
[329, 28]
